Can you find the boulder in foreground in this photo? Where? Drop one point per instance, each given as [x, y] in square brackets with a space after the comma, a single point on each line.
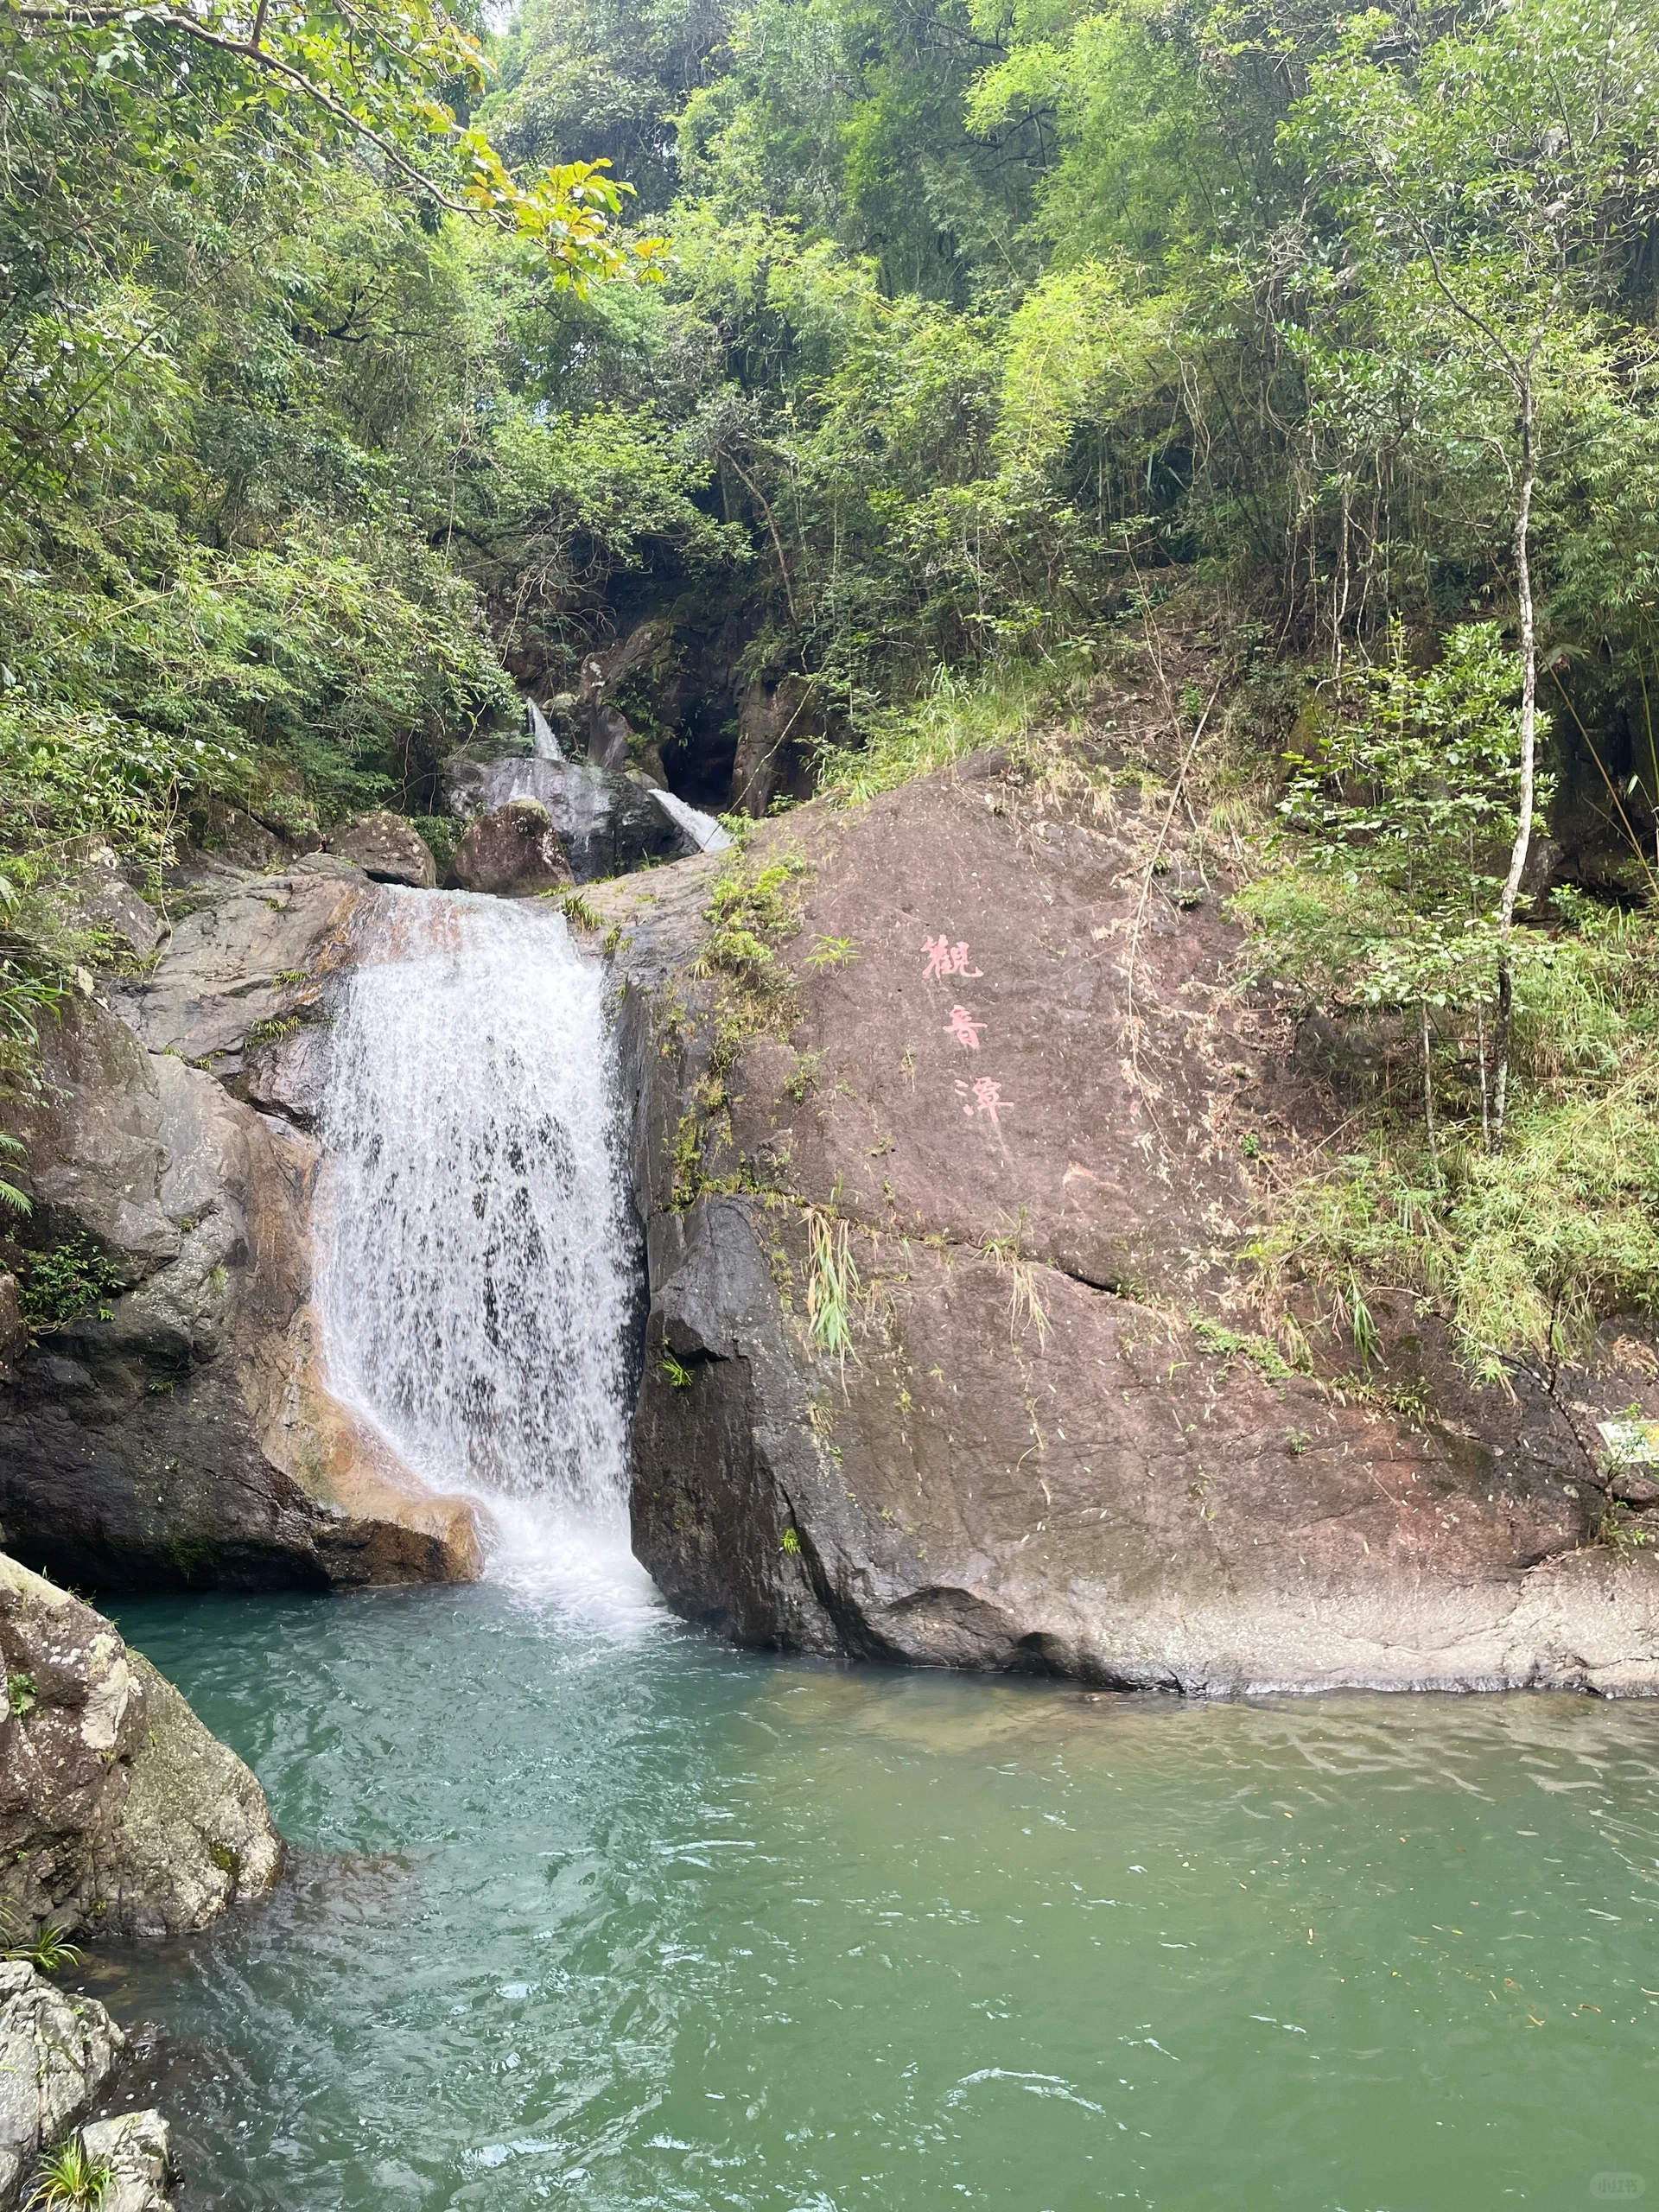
[119, 1812]
[135, 2149]
[58, 2055]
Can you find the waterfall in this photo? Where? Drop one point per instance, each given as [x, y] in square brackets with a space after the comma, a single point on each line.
[543, 743]
[475, 1282]
[703, 829]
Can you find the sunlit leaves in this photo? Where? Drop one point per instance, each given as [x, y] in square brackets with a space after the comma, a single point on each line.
[378, 72]
[1398, 817]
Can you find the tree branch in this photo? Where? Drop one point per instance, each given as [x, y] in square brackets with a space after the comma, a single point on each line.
[97, 18]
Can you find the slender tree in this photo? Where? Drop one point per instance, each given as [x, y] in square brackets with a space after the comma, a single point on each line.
[1489, 186]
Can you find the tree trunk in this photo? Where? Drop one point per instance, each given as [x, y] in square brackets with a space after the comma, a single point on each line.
[1528, 768]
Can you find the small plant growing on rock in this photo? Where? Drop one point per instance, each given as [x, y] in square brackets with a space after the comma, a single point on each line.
[581, 911]
[1622, 1531]
[21, 1694]
[749, 909]
[70, 2179]
[832, 1287]
[830, 952]
[1023, 1301]
[11, 1199]
[1619, 1527]
[1230, 1346]
[61, 1284]
[804, 1076]
[790, 1543]
[50, 1952]
[679, 1377]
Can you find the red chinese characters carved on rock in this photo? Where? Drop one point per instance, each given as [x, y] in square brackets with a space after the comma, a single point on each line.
[984, 1096]
[963, 1026]
[945, 958]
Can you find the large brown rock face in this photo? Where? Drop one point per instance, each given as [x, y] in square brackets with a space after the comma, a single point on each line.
[514, 853]
[1016, 1102]
[180, 1431]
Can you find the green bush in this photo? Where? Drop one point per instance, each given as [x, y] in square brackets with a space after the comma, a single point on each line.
[65, 1281]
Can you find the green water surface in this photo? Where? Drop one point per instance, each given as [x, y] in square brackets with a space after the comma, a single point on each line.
[605, 1919]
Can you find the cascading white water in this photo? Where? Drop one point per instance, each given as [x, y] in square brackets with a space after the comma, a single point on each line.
[703, 830]
[543, 743]
[476, 1280]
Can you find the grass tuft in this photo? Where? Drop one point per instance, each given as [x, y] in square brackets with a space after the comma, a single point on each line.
[832, 1286]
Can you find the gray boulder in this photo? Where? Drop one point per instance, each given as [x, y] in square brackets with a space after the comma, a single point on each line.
[252, 954]
[99, 897]
[118, 1811]
[514, 852]
[57, 2054]
[386, 849]
[136, 2150]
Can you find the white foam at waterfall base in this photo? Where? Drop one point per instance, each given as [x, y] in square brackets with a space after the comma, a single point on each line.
[478, 1251]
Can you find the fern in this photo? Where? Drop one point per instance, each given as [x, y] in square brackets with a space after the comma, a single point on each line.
[11, 1199]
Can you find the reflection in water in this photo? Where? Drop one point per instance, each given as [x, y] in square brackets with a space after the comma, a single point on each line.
[673, 1927]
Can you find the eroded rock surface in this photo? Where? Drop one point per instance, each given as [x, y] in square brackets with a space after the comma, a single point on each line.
[513, 852]
[1016, 1102]
[178, 1430]
[118, 1812]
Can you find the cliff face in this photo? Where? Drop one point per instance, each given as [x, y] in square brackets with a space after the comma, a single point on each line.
[178, 1432]
[1010, 1118]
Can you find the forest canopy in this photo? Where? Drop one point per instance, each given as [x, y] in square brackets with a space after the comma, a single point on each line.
[362, 364]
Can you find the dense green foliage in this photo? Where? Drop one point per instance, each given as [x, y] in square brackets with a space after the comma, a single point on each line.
[987, 326]
[241, 342]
